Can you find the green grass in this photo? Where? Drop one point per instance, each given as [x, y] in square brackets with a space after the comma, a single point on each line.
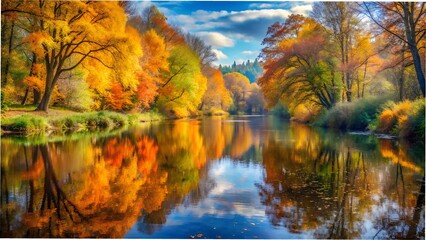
[31, 107]
[25, 123]
[103, 120]
[59, 136]
[145, 117]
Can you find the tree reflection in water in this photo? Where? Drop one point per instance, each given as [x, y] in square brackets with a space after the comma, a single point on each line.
[334, 190]
[329, 185]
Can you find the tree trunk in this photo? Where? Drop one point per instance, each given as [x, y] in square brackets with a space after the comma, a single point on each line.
[51, 79]
[348, 74]
[410, 32]
[44, 103]
[333, 89]
[342, 52]
[37, 96]
[418, 67]
[200, 107]
[402, 77]
[27, 90]
[349, 96]
[363, 79]
[358, 87]
[7, 64]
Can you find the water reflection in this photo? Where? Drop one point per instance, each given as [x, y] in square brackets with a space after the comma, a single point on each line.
[254, 177]
[337, 190]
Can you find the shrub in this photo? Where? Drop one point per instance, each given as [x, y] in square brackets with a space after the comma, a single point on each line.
[104, 122]
[4, 103]
[356, 115]
[386, 121]
[364, 112]
[117, 119]
[412, 124]
[25, 123]
[406, 119]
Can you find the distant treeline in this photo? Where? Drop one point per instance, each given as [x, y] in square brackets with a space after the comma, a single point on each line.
[252, 70]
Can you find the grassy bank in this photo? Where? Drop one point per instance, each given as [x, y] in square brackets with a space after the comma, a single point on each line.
[31, 122]
[355, 115]
[404, 119]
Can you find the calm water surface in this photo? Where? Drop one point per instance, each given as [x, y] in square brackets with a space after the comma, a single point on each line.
[242, 177]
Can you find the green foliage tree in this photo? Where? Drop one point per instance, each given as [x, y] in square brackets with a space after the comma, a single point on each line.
[184, 84]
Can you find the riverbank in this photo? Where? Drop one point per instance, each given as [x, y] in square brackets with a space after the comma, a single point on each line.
[28, 121]
[404, 119]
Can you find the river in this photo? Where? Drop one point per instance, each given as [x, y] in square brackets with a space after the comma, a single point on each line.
[237, 177]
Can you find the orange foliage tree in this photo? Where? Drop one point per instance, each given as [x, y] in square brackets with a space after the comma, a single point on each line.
[298, 69]
[153, 63]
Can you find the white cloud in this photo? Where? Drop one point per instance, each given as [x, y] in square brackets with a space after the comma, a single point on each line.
[261, 5]
[219, 54]
[216, 39]
[243, 16]
[248, 52]
[202, 15]
[302, 9]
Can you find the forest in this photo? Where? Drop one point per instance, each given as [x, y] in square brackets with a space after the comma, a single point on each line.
[345, 65]
[350, 66]
[90, 56]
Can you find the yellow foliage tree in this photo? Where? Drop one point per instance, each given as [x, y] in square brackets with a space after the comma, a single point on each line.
[217, 96]
[71, 33]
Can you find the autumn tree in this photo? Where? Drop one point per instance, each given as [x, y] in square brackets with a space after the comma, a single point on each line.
[217, 96]
[341, 23]
[183, 85]
[298, 69]
[255, 102]
[73, 32]
[152, 18]
[203, 51]
[8, 30]
[239, 86]
[15, 55]
[123, 77]
[153, 64]
[406, 21]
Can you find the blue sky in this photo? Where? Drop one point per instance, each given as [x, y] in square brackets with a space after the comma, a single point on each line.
[234, 29]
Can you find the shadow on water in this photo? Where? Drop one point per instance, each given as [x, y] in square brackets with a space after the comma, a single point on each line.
[164, 180]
